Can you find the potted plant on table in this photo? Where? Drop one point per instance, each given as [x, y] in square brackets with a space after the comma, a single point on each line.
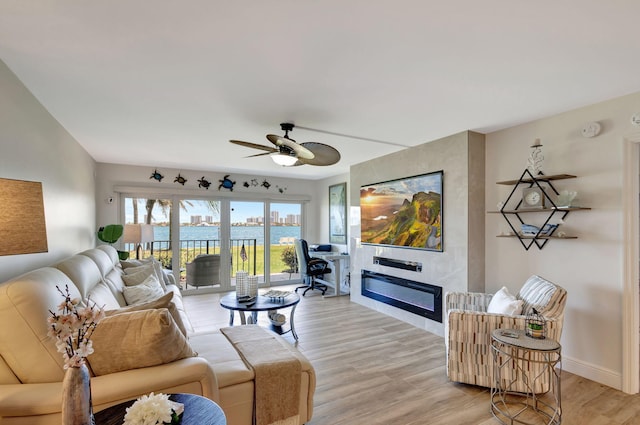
[110, 234]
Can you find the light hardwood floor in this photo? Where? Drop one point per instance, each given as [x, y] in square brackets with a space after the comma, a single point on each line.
[374, 369]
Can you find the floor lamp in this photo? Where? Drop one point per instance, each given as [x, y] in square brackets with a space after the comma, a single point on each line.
[138, 234]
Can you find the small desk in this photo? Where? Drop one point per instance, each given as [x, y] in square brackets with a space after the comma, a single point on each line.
[337, 260]
[198, 410]
[262, 303]
[509, 406]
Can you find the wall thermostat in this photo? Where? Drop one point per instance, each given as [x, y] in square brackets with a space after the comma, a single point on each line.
[591, 129]
[635, 118]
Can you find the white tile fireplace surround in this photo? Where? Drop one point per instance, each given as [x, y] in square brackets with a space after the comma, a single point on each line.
[460, 266]
[453, 280]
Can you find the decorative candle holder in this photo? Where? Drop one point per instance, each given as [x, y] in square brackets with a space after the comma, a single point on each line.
[536, 326]
[242, 284]
[252, 287]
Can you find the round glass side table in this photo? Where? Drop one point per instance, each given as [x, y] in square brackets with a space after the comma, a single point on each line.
[526, 384]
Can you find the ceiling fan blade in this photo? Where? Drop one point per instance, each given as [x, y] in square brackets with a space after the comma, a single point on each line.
[254, 146]
[323, 154]
[259, 154]
[301, 152]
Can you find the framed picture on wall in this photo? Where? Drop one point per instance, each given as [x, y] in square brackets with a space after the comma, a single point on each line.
[338, 213]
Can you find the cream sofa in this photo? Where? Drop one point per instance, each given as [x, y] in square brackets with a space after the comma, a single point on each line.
[31, 370]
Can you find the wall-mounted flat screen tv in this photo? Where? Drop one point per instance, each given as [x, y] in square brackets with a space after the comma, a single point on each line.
[404, 213]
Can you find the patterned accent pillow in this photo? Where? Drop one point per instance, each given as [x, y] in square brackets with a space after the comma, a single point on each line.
[148, 290]
[154, 268]
[536, 293]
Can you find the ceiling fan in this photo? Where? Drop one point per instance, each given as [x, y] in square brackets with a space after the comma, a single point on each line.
[287, 152]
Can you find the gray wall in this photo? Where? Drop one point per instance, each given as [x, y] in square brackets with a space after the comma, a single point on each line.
[35, 147]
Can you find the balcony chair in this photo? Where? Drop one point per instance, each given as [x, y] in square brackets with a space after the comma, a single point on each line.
[204, 270]
[310, 268]
[469, 326]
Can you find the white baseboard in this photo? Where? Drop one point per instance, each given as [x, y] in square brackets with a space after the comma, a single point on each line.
[595, 373]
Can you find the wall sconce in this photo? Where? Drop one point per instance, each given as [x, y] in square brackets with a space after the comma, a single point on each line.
[22, 223]
[138, 234]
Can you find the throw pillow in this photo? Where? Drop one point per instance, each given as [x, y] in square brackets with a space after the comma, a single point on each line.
[148, 268]
[504, 303]
[157, 266]
[137, 339]
[125, 264]
[136, 278]
[149, 290]
[164, 301]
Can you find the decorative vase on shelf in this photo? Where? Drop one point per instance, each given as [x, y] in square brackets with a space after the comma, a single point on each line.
[76, 396]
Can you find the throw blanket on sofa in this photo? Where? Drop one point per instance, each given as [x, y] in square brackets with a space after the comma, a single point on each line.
[277, 375]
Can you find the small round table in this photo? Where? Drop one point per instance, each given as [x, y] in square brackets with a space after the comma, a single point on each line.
[198, 410]
[262, 303]
[526, 384]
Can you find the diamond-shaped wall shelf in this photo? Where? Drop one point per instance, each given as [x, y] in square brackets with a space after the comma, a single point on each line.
[514, 212]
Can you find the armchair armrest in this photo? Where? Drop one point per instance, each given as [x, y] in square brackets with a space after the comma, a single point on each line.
[316, 264]
[193, 374]
[468, 301]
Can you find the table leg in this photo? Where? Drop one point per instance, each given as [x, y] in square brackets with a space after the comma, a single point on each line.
[336, 266]
[231, 317]
[293, 328]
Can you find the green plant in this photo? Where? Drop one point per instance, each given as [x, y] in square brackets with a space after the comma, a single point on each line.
[535, 326]
[110, 233]
[288, 257]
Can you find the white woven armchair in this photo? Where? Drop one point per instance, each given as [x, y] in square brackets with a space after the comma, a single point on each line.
[469, 327]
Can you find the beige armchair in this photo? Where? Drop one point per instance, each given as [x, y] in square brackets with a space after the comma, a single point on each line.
[204, 270]
[469, 326]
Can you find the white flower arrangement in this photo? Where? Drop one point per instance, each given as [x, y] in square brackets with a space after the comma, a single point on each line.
[153, 409]
[73, 327]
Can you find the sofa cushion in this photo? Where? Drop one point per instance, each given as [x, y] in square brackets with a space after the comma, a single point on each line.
[164, 301]
[137, 339]
[148, 290]
[82, 271]
[229, 366]
[101, 258]
[111, 252]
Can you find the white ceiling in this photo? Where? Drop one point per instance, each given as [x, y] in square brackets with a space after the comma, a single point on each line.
[167, 83]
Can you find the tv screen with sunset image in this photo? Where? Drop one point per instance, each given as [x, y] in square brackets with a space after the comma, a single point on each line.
[405, 212]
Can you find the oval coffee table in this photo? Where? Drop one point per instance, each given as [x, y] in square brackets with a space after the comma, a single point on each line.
[198, 410]
[262, 303]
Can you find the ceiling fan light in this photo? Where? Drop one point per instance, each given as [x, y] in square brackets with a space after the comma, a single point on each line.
[283, 159]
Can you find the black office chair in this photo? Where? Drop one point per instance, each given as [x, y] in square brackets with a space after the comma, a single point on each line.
[310, 268]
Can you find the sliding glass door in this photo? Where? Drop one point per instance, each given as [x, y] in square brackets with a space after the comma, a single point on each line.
[254, 236]
[200, 235]
[285, 226]
[247, 238]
